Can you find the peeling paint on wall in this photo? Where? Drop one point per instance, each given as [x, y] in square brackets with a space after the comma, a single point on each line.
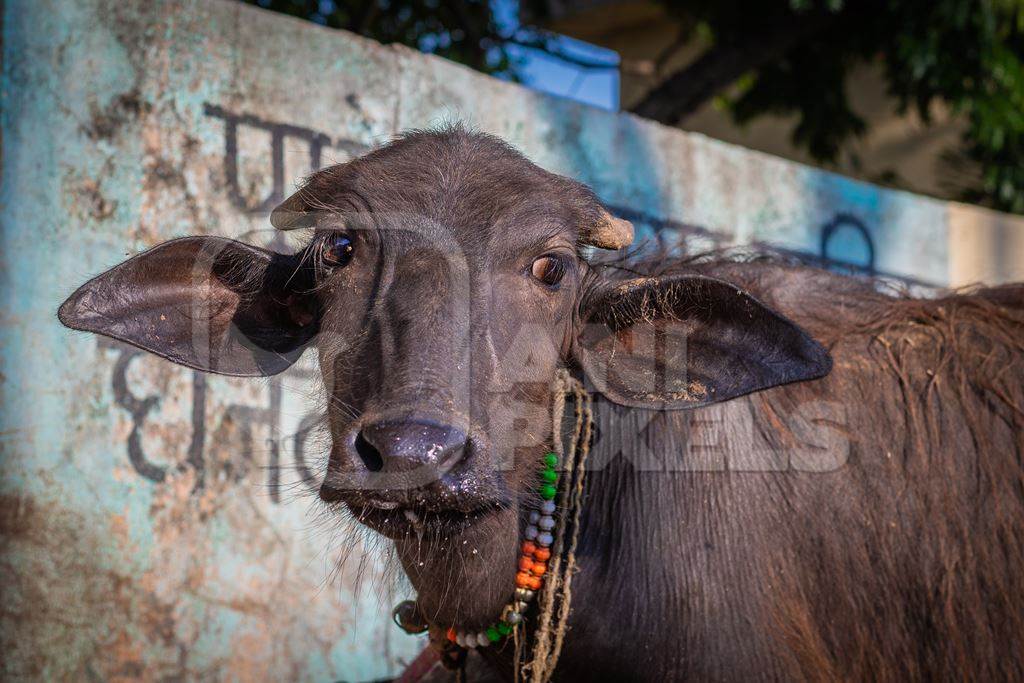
[158, 523]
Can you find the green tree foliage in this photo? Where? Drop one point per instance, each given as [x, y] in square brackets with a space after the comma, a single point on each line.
[965, 54]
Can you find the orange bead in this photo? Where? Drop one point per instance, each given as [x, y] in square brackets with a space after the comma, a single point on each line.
[539, 568]
[525, 564]
[451, 634]
[528, 548]
[534, 583]
[541, 554]
[523, 580]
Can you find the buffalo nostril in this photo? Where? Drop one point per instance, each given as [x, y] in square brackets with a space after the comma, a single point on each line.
[403, 446]
[369, 454]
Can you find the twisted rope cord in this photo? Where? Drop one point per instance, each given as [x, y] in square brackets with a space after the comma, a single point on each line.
[552, 625]
[581, 441]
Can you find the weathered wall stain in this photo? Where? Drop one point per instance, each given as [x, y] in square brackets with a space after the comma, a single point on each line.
[59, 589]
[104, 122]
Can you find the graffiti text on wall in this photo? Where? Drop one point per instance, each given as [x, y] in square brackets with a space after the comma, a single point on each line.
[143, 409]
[279, 132]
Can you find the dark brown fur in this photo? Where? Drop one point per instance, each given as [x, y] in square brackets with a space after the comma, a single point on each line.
[902, 564]
[924, 578]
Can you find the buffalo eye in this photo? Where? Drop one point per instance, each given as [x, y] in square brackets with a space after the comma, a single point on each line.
[549, 270]
[338, 250]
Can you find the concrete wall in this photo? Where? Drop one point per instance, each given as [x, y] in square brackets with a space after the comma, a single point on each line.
[161, 523]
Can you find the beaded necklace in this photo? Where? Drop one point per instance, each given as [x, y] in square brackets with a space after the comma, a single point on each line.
[548, 551]
[535, 553]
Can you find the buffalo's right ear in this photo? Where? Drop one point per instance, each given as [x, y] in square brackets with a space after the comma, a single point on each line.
[208, 303]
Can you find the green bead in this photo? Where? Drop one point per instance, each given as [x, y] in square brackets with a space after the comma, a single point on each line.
[547, 492]
[504, 628]
[549, 476]
[551, 460]
[493, 635]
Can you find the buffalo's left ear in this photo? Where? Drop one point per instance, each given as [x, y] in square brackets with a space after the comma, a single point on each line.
[687, 341]
[208, 303]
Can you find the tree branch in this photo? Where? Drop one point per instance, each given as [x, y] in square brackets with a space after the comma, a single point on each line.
[686, 90]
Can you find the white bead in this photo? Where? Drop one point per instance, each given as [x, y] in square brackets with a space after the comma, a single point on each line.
[546, 523]
[531, 532]
[460, 639]
[534, 516]
[514, 618]
[523, 594]
[482, 639]
[548, 507]
[469, 640]
[544, 539]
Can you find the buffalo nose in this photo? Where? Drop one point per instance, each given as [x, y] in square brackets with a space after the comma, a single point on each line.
[407, 446]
